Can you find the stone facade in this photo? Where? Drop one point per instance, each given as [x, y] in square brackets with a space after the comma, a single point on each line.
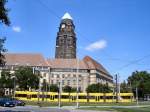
[66, 40]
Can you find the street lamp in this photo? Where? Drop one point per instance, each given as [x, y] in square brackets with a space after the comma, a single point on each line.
[77, 73]
[137, 96]
[39, 86]
[59, 97]
[14, 84]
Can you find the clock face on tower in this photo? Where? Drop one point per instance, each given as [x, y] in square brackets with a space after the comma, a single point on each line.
[63, 26]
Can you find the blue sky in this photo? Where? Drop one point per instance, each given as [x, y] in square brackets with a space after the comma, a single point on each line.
[113, 32]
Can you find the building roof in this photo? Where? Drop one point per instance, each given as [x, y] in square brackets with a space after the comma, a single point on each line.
[67, 16]
[32, 59]
[92, 64]
[66, 63]
[25, 59]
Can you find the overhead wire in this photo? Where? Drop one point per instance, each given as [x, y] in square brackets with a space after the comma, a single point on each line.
[107, 54]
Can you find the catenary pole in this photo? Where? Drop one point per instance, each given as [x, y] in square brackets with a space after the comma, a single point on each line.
[77, 73]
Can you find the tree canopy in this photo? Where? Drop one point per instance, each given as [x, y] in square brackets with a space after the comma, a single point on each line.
[25, 78]
[67, 89]
[54, 88]
[4, 13]
[125, 87]
[98, 88]
[3, 19]
[2, 51]
[141, 80]
[6, 81]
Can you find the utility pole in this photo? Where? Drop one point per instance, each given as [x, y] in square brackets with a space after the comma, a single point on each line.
[137, 96]
[38, 72]
[14, 84]
[116, 78]
[59, 96]
[77, 74]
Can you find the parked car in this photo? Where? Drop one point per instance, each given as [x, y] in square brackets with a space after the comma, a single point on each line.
[6, 102]
[18, 102]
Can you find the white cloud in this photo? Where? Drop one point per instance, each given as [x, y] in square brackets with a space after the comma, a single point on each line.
[101, 44]
[16, 29]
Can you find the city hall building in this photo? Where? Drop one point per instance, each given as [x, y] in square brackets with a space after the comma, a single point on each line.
[65, 68]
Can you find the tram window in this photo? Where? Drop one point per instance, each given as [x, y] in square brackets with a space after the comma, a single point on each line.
[56, 96]
[109, 97]
[73, 97]
[28, 96]
[34, 96]
[101, 97]
[115, 97]
[82, 97]
[91, 97]
[65, 96]
[42, 96]
[48, 96]
[21, 95]
[126, 97]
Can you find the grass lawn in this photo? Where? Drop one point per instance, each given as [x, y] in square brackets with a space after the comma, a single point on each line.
[84, 104]
[111, 109]
[139, 109]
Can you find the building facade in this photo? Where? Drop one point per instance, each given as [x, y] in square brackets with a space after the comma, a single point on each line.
[65, 68]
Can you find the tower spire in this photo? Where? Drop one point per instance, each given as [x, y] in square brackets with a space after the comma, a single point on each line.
[67, 16]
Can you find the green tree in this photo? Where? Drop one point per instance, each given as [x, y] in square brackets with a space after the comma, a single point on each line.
[73, 89]
[44, 86]
[54, 88]
[106, 88]
[140, 79]
[3, 19]
[125, 88]
[98, 88]
[25, 78]
[6, 81]
[4, 12]
[67, 89]
[2, 51]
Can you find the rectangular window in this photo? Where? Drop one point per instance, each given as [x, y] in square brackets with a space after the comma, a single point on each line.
[68, 82]
[74, 82]
[63, 82]
[63, 75]
[68, 75]
[52, 82]
[57, 75]
[57, 81]
[52, 75]
[74, 75]
[44, 75]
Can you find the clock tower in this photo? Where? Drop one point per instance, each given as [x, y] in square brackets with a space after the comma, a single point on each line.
[66, 39]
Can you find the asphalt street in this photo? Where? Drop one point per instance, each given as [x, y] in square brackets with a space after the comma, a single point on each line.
[41, 109]
[56, 109]
[31, 109]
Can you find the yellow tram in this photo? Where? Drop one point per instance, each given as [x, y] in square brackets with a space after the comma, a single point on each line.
[72, 97]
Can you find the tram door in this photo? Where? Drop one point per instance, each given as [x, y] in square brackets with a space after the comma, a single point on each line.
[73, 98]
